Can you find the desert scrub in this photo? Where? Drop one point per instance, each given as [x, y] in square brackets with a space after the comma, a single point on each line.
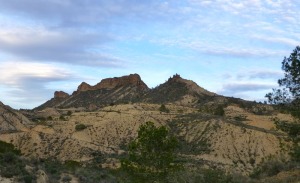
[49, 118]
[12, 165]
[72, 165]
[163, 108]
[80, 127]
[69, 113]
[7, 147]
[240, 118]
[62, 117]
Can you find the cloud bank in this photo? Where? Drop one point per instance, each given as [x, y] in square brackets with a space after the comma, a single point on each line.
[120, 36]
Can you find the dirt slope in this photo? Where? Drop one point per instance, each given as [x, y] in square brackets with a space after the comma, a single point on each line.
[227, 142]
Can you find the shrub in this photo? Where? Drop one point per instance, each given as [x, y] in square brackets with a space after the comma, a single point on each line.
[219, 111]
[28, 178]
[62, 117]
[163, 108]
[72, 165]
[12, 165]
[80, 127]
[240, 118]
[270, 167]
[66, 178]
[7, 147]
[180, 111]
[215, 176]
[69, 113]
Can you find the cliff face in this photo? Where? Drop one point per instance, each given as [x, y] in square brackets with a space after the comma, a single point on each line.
[128, 88]
[132, 79]
[111, 83]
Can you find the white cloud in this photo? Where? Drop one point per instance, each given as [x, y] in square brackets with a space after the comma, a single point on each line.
[58, 46]
[236, 88]
[106, 35]
[25, 84]
[12, 73]
[281, 40]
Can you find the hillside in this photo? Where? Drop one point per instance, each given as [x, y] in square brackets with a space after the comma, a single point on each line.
[224, 141]
[107, 91]
[11, 120]
[95, 124]
[176, 89]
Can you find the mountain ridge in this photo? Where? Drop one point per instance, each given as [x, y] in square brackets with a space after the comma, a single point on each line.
[126, 89]
[220, 132]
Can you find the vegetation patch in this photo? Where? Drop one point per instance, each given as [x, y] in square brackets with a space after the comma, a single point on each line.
[163, 108]
[152, 154]
[80, 127]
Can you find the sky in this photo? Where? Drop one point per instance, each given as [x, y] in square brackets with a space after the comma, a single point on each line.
[230, 47]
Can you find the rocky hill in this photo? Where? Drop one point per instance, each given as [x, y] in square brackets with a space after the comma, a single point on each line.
[59, 96]
[214, 131]
[11, 120]
[128, 89]
[108, 91]
[176, 89]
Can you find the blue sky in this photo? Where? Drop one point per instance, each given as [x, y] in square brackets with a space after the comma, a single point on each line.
[234, 48]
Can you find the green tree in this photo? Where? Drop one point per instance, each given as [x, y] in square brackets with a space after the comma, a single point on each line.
[288, 98]
[291, 67]
[152, 154]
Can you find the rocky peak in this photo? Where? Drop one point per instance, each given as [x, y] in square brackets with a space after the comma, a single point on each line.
[191, 85]
[175, 77]
[84, 87]
[60, 94]
[132, 79]
[110, 83]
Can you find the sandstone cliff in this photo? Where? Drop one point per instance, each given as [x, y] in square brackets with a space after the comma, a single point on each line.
[111, 83]
[123, 89]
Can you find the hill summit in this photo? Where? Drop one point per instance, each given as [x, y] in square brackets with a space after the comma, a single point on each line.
[127, 89]
[116, 82]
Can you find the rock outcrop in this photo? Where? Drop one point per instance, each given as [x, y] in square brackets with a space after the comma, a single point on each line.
[132, 79]
[84, 87]
[129, 89]
[60, 95]
[111, 83]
